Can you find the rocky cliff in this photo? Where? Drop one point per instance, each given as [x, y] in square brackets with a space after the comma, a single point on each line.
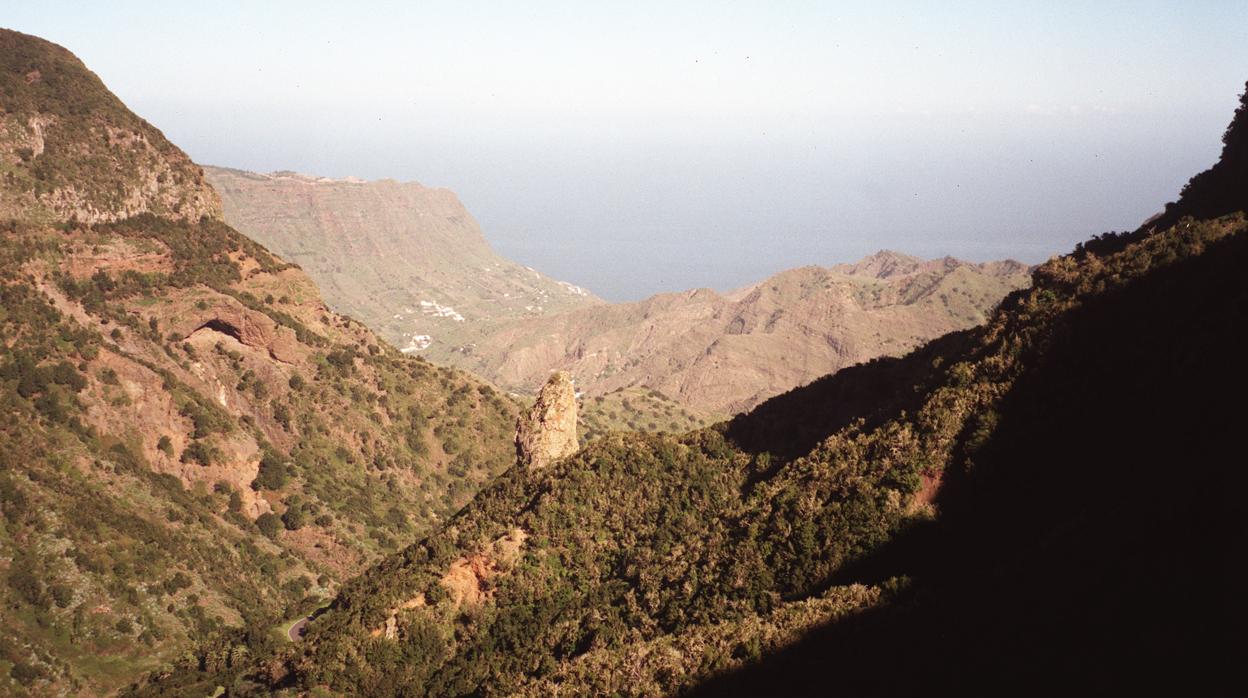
[407, 260]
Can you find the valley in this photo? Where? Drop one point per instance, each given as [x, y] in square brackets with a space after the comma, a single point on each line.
[279, 434]
[426, 280]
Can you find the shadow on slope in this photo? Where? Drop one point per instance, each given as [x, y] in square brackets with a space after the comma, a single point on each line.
[1088, 543]
[791, 424]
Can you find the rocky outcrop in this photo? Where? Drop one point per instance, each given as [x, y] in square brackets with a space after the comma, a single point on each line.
[226, 316]
[548, 432]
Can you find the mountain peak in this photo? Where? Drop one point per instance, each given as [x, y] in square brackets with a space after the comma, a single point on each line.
[75, 152]
[884, 264]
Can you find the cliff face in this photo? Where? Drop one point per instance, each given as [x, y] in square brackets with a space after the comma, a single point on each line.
[548, 432]
[190, 439]
[407, 260]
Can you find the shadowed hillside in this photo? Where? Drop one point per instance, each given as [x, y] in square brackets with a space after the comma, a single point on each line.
[1220, 189]
[1089, 538]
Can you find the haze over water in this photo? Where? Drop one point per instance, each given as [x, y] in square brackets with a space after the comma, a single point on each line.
[640, 148]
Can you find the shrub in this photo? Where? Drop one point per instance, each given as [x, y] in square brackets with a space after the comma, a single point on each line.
[269, 524]
[272, 474]
[201, 453]
[294, 518]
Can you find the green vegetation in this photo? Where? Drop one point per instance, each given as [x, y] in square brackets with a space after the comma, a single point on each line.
[649, 563]
[71, 135]
[373, 448]
[636, 409]
[190, 438]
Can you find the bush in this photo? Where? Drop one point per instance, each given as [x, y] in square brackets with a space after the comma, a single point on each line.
[272, 474]
[201, 453]
[269, 524]
[25, 674]
[62, 594]
[294, 518]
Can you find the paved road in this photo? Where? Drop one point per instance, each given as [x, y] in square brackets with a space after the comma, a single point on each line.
[298, 628]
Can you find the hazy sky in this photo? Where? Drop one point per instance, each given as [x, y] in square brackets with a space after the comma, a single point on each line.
[639, 146]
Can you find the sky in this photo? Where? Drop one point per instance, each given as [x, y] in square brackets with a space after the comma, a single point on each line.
[640, 147]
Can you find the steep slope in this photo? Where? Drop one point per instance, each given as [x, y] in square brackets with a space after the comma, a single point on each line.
[1090, 531]
[408, 261]
[720, 354]
[71, 150]
[190, 441]
[1051, 500]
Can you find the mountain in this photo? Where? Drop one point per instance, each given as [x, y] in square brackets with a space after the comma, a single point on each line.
[422, 275]
[719, 354]
[72, 151]
[408, 261]
[191, 442]
[1050, 501]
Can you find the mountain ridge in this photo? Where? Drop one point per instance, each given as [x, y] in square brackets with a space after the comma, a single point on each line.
[722, 353]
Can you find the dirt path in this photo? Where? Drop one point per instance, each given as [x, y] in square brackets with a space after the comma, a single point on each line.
[296, 630]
